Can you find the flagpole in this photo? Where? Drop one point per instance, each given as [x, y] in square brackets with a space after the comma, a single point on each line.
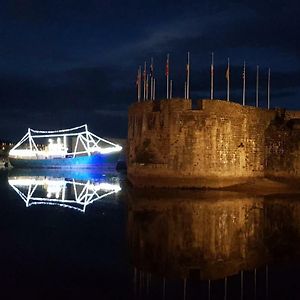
[212, 77]
[167, 74]
[171, 88]
[269, 81]
[151, 88]
[154, 83]
[185, 97]
[144, 78]
[139, 83]
[244, 84]
[147, 87]
[188, 76]
[228, 78]
[151, 78]
[257, 85]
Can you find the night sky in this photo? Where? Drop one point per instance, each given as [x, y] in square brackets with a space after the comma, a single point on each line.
[66, 63]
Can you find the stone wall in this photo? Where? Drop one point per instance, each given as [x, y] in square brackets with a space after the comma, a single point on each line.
[283, 148]
[217, 144]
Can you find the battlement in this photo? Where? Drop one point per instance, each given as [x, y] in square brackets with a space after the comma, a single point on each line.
[180, 104]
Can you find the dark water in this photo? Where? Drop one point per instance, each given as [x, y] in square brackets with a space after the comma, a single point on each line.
[90, 236]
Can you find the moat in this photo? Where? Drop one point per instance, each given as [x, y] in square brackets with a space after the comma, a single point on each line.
[145, 244]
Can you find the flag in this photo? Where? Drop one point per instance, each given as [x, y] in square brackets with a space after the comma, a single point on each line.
[137, 77]
[228, 78]
[151, 68]
[147, 87]
[187, 69]
[187, 92]
[145, 72]
[212, 77]
[227, 73]
[167, 66]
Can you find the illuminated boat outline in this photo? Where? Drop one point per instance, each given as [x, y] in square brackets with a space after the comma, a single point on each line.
[85, 193]
[96, 151]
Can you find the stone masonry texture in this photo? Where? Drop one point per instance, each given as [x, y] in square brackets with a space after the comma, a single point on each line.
[216, 144]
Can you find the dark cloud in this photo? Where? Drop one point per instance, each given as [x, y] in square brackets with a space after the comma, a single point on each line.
[68, 62]
[109, 123]
[91, 87]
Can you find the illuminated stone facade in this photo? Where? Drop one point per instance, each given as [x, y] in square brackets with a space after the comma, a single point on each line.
[219, 143]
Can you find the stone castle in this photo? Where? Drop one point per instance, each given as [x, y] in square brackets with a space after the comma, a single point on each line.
[216, 144]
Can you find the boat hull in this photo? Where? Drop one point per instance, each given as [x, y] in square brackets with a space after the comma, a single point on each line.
[93, 161]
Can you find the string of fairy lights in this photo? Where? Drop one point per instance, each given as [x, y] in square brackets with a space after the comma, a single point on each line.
[146, 81]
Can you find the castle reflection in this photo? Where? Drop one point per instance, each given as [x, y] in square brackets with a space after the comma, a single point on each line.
[211, 235]
[65, 189]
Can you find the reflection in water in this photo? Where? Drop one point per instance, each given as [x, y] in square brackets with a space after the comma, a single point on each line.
[63, 191]
[210, 236]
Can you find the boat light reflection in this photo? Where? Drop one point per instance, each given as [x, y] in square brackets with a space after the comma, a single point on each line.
[62, 192]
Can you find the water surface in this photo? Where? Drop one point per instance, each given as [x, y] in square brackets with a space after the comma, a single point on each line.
[90, 235]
